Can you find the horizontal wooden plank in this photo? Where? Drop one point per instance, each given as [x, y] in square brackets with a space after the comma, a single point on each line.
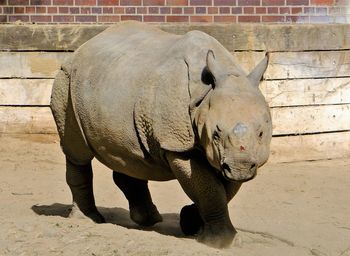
[31, 64]
[46, 37]
[310, 119]
[39, 120]
[310, 147]
[277, 93]
[25, 91]
[291, 65]
[306, 92]
[276, 37]
[26, 120]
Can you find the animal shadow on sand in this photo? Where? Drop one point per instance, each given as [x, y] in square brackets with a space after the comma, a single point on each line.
[118, 216]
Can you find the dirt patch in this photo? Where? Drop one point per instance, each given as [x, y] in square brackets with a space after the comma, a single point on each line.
[289, 209]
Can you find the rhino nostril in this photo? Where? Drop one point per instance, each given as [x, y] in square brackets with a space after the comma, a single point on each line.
[225, 167]
[252, 166]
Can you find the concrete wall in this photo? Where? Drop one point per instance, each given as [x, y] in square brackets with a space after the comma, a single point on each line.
[307, 82]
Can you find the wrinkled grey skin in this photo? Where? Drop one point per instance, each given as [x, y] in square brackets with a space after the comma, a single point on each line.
[156, 106]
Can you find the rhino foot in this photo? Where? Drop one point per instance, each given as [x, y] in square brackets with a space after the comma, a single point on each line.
[94, 215]
[217, 236]
[190, 220]
[145, 215]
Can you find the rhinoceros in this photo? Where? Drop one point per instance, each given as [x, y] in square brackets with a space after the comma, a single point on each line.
[151, 105]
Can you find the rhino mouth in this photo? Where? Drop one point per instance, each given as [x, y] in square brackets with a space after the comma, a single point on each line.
[238, 174]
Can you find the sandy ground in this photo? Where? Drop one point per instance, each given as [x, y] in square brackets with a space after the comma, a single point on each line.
[289, 209]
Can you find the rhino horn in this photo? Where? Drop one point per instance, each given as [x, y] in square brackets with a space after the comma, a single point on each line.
[256, 75]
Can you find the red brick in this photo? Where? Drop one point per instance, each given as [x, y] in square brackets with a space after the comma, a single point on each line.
[108, 2]
[322, 11]
[272, 2]
[213, 10]
[249, 19]
[40, 18]
[176, 10]
[0, 10]
[322, 2]
[24, 18]
[298, 19]
[320, 19]
[260, 10]
[249, 2]
[309, 10]
[272, 18]
[51, 9]
[177, 2]
[225, 10]
[153, 10]
[63, 18]
[96, 10]
[297, 2]
[85, 2]
[225, 19]
[9, 10]
[3, 18]
[86, 18]
[108, 19]
[248, 10]
[237, 10]
[297, 10]
[177, 18]
[30, 9]
[73, 10]
[107, 9]
[40, 9]
[165, 10]
[130, 10]
[40, 2]
[272, 10]
[131, 17]
[3, 2]
[19, 10]
[188, 10]
[201, 18]
[284, 10]
[141, 10]
[200, 2]
[201, 10]
[119, 10]
[63, 2]
[153, 2]
[155, 18]
[224, 2]
[130, 2]
[85, 10]
[18, 2]
[64, 9]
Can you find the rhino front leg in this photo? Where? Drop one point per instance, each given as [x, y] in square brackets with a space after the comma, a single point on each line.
[79, 179]
[208, 193]
[190, 219]
[142, 209]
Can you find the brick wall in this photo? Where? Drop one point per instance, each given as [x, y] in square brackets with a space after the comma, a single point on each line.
[185, 11]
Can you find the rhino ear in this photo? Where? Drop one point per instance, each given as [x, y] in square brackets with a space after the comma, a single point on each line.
[256, 75]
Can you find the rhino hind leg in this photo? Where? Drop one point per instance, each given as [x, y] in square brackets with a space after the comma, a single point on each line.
[74, 146]
[142, 209]
[79, 179]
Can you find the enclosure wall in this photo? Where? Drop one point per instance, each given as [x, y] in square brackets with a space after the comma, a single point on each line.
[307, 82]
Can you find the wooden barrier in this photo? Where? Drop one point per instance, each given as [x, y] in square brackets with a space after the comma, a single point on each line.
[307, 82]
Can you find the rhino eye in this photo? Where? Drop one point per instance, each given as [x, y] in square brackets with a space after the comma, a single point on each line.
[261, 134]
[216, 135]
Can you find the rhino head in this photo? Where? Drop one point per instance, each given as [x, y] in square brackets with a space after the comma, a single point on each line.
[233, 121]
